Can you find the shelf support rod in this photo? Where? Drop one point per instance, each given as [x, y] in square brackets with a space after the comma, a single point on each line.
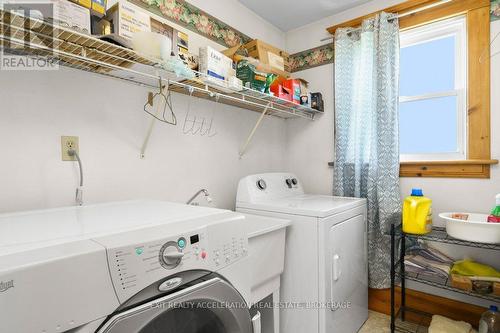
[252, 133]
[151, 125]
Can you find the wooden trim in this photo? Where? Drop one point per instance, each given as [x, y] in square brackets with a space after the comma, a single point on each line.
[460, 162]
[445, 170]
[379, 300]
[453, 8]
[405, 6]
[478, 29]
[447, 10]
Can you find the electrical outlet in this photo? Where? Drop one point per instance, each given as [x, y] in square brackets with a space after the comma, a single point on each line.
[67, 143]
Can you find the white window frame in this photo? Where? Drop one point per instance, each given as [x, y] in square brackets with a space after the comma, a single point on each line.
[451, 27]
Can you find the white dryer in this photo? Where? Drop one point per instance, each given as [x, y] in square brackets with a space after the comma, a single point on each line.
[130, 267]
[324, 286]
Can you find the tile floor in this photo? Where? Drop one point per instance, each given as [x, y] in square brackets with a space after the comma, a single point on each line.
[381, 323]
[376, 323]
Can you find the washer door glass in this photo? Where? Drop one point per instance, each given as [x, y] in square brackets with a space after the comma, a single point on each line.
[212, 306]
[188, 319]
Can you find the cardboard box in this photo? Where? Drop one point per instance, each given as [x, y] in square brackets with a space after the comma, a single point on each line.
[293, 85]
[127, 19]
[238, 53]
[282, 92]
[182, 39]
[461, 282]
[214, 64]
[278, 89]
[70, 15]
[97, 7]
[267, 54]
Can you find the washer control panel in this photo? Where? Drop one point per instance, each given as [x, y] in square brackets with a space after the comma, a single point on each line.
[211, 248]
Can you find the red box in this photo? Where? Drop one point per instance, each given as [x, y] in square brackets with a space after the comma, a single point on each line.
[281, 92]
[293, 85]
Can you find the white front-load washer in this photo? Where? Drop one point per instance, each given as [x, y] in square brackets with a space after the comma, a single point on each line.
[324, 286]
[130, 267]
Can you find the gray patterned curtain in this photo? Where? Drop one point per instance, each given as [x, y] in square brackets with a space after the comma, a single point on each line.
[367, 130]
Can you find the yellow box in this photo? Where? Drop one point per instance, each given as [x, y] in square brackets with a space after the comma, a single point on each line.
[98, 6]
[84, 3]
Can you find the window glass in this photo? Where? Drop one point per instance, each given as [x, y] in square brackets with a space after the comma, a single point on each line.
[429, 126]
[427, 67]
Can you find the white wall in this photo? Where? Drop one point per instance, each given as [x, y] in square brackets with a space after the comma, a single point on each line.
[310, 147]
[233, 13]
[38, 107]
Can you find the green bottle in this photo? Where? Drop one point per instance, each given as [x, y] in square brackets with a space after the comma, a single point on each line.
[495, 213]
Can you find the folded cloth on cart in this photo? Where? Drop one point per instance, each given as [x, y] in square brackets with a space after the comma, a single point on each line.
[476, 270]
[440, 324]
[424, 259]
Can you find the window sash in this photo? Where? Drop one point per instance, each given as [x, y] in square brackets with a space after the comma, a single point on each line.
[451, 27]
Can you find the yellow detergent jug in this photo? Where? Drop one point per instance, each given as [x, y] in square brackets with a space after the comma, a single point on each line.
[417, 213]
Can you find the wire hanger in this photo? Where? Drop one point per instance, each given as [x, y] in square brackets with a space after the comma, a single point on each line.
[208, 131]
[185, 128]
[167, 103]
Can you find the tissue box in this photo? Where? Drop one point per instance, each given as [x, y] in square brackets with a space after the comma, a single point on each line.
[234, 83]
[214, 64]
[127, 20]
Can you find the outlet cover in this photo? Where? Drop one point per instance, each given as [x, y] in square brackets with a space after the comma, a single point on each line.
[67, 143]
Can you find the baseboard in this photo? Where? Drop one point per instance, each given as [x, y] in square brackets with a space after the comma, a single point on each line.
[379, 300]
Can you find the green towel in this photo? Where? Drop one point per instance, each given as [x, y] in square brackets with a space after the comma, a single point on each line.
[471, 268]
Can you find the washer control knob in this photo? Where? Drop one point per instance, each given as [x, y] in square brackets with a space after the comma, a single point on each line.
[294, 181]
[261, 184]
[170, 255]
[288, 182]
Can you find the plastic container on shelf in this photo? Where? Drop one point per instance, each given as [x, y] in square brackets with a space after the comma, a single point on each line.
[471, 227]
[490, 321]
[495, 212]
[417, 213]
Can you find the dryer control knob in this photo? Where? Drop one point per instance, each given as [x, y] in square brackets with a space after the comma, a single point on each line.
[288, 182]
[294, 181]
[170, 255]
[261, 184]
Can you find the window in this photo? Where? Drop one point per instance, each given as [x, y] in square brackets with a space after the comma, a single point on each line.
[445, 93]
[433, 94]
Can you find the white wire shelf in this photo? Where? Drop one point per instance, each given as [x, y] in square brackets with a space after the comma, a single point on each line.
[35, 38]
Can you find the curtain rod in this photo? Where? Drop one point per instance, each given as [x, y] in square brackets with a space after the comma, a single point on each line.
[408, 13]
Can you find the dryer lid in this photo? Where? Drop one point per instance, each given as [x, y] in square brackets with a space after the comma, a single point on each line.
[305, 205]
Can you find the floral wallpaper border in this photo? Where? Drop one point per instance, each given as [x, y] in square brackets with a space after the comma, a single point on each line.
[195, 19]
[198, 21]
[495, 10]
[318, 56]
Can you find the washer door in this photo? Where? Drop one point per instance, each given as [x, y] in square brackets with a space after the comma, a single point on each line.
[212, 306]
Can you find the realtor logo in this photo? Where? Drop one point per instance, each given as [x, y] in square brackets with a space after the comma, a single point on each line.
[18, 42]
[4, 286]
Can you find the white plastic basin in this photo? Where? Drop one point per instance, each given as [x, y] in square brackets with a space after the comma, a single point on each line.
[475, 229]
[266, 251]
